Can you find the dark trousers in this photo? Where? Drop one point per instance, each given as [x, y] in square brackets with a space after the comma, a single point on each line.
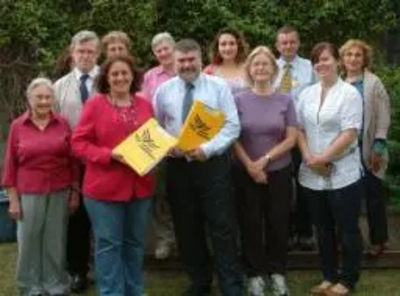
[376, 209]
[264, 212]
[300, 225]
[201, 201]
[78, 241]
[332, 212]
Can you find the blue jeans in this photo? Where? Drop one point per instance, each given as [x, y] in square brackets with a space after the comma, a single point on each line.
[335, 214]
[119, 231]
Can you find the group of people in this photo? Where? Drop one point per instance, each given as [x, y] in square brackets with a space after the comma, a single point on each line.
[303, 144]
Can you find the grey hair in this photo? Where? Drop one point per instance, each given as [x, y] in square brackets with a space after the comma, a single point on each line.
[186, 45]
[84, 36]
[162, 37]
[40, 81]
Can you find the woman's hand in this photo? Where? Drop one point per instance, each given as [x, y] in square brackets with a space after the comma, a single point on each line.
[256, 171]
[15, 209]
[318, 164]
[376, 161]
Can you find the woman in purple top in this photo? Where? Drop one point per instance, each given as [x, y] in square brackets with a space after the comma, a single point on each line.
[268, 121]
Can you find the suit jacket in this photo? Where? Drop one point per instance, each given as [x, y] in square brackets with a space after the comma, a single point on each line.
[68, 98]
[376, 116]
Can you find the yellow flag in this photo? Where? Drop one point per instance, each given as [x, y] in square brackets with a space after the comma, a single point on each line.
[146, 147]
[201, 125]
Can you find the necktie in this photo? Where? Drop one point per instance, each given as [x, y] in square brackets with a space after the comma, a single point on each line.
[286, 81]
[83, 88]
[187, 100]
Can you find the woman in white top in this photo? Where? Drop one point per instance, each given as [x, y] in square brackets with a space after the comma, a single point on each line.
[330, 119]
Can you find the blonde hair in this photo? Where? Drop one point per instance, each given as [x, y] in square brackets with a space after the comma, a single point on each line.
[115, 36]
[367, 51]
[255, 52]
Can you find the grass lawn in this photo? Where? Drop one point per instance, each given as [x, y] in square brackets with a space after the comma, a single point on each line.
[373, 282]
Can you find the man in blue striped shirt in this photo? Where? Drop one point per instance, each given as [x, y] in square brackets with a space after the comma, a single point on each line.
[198, 181]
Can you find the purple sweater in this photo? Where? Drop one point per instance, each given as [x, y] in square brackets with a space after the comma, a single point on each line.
[263, 121]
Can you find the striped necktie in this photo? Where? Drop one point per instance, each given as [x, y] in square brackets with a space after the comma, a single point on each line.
[187, 100]
[286, 81]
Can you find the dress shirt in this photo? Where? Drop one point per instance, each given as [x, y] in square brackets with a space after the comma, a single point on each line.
[211, 90]
[99, 131]
[92, 75]
[341, 110]
[153, 79]
[301, 74]
[39, 161]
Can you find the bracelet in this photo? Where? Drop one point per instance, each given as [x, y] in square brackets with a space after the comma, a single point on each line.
[268, 158]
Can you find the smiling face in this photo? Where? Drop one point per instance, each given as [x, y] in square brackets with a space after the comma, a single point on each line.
[164, 52]
[188, 64]
[116, 48]
[261, 69]
[354, 59]
[288, 45]
[120, 78]
[326, 66]
[41, 100]
[228, 47]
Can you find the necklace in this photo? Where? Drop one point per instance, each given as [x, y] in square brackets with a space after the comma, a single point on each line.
[127, 115]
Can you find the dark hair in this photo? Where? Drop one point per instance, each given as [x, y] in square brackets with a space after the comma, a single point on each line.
[186, 45]
[321, 47]
[215, 56]
[102, 85]
[287, 30]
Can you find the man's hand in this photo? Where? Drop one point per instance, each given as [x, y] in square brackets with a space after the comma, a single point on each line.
[175, 153]
[73, 201]
[197, 154]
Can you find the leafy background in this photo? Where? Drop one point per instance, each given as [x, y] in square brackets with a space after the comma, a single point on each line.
[33, 33]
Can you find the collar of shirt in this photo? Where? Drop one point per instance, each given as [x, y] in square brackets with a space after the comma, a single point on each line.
[196, 83]
[92, 74]
[281, 62]
[159, 70]
[27, 117]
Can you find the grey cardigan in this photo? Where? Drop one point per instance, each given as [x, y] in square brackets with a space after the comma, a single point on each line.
[376, 116]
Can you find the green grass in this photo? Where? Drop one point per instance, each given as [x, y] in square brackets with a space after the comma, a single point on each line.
[372, 283]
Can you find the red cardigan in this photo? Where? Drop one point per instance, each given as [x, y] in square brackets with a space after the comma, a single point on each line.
[99, 131]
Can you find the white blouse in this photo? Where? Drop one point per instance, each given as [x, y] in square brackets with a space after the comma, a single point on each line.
[341, 110]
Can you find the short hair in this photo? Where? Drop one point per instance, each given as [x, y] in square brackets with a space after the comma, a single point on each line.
[39, 81]
[186, 45]
[84, 36]
[366, 49]
[116, 36]
[287, 30]
[257, 51]
[102, 84]
[215, 56]
[320, 47]
[162, 37]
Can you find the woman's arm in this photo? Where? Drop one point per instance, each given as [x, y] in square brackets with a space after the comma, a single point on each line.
[284, 146]
[340, 145]
[83, 138]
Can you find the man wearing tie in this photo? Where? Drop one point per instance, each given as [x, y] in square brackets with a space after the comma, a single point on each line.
[198, 182]
[72, 91]
[295, 73]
